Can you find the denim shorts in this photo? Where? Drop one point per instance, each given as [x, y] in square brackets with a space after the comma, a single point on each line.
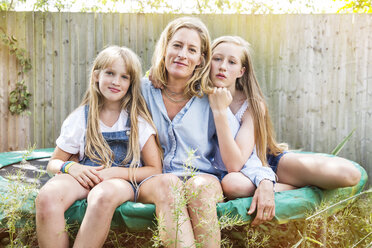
[273, 160]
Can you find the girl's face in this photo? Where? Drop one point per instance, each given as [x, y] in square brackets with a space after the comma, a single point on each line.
[113, 81]
[226, 65]
[183, 54]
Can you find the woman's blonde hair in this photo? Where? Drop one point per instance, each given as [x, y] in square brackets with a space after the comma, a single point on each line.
[96, 147]
[197, 84]
[263, 129]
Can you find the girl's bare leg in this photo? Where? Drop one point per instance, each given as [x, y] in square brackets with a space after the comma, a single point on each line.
[53, 200]
[102, 200]
[235, 185]
[203, 193]
[165, 192]
[299, 170]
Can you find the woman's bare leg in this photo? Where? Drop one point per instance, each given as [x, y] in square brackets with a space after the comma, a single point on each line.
[102, 200]
[165, 191]
[203, 193]
[53, 200]
[300, 169]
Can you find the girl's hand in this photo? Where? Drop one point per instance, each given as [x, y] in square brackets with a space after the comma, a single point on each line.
[107, 173]
[263, 200]
[220, 99]
[87, 176]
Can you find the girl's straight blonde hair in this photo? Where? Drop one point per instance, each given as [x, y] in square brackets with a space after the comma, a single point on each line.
[96, 147]
[197, 84]
[263, 129]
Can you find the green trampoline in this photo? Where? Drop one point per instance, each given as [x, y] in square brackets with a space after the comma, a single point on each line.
[289, 205]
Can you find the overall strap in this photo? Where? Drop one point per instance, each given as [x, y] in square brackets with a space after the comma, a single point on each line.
[86, 110]
[128, 121]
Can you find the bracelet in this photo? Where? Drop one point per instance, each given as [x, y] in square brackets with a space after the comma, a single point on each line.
[66, 165]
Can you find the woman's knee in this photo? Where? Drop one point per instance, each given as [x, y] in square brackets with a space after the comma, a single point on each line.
[169, 187]
[204, 187]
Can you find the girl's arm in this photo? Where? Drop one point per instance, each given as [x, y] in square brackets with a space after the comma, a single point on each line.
[234, 152]
[151, 159]
[87, 176]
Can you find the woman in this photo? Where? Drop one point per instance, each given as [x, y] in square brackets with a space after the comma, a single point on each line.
[184, 120]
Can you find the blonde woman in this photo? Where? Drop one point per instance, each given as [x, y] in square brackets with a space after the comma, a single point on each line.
[246, 138]
[183, 117]
[111, 132]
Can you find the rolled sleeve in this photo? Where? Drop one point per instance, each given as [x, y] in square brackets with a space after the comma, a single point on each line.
[257, 174]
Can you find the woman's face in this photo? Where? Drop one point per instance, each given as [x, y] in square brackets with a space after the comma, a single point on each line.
[183, 54]
[226, 65]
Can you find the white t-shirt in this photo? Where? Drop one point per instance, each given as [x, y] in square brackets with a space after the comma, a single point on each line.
[72, 137]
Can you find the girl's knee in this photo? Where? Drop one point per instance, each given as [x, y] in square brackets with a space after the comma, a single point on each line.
[49, 201]
[237, 185]
[352, 175]
[108, 199]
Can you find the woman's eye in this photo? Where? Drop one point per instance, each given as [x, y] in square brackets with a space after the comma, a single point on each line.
[109, 73]
[192, 50]
[216, 59]
[125, 77]
[232, 62]
[177, 45]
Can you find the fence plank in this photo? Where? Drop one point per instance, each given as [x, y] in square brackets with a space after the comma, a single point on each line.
[4, 55]
[314, 69]
[13, 70]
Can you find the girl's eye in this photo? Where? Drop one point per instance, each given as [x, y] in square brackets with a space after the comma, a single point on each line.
[125, 77]
[177, 45]
[109, 73]
[216, 59]
[232, 62]
[193, 50]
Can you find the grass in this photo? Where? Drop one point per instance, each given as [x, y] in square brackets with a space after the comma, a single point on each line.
[349, 227]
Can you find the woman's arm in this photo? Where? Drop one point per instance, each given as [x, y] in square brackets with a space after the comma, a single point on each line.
[234, 152]
[152, 165]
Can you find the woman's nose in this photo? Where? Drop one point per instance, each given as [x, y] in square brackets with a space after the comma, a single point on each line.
[182, 53]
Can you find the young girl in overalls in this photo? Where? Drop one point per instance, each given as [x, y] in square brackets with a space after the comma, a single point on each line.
[112, 134]
[246, 138]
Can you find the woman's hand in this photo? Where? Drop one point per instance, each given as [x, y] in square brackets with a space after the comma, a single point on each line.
[263, 201]
[87, 176]
[220, 99]
[155, 83]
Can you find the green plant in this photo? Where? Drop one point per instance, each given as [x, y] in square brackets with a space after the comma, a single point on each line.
[12, 43]
[341, 145]
[19, 99]
[14, 205]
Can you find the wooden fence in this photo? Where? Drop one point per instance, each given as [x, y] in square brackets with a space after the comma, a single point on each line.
[316, 71]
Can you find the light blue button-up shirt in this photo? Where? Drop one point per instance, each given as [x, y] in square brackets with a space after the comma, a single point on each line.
[191, 129]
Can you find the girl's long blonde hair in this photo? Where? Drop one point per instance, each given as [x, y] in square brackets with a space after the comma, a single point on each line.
[96, 147]
[197, 84]
[263, 129]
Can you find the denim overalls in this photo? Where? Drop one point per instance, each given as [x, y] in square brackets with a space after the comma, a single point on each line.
[118, 142]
